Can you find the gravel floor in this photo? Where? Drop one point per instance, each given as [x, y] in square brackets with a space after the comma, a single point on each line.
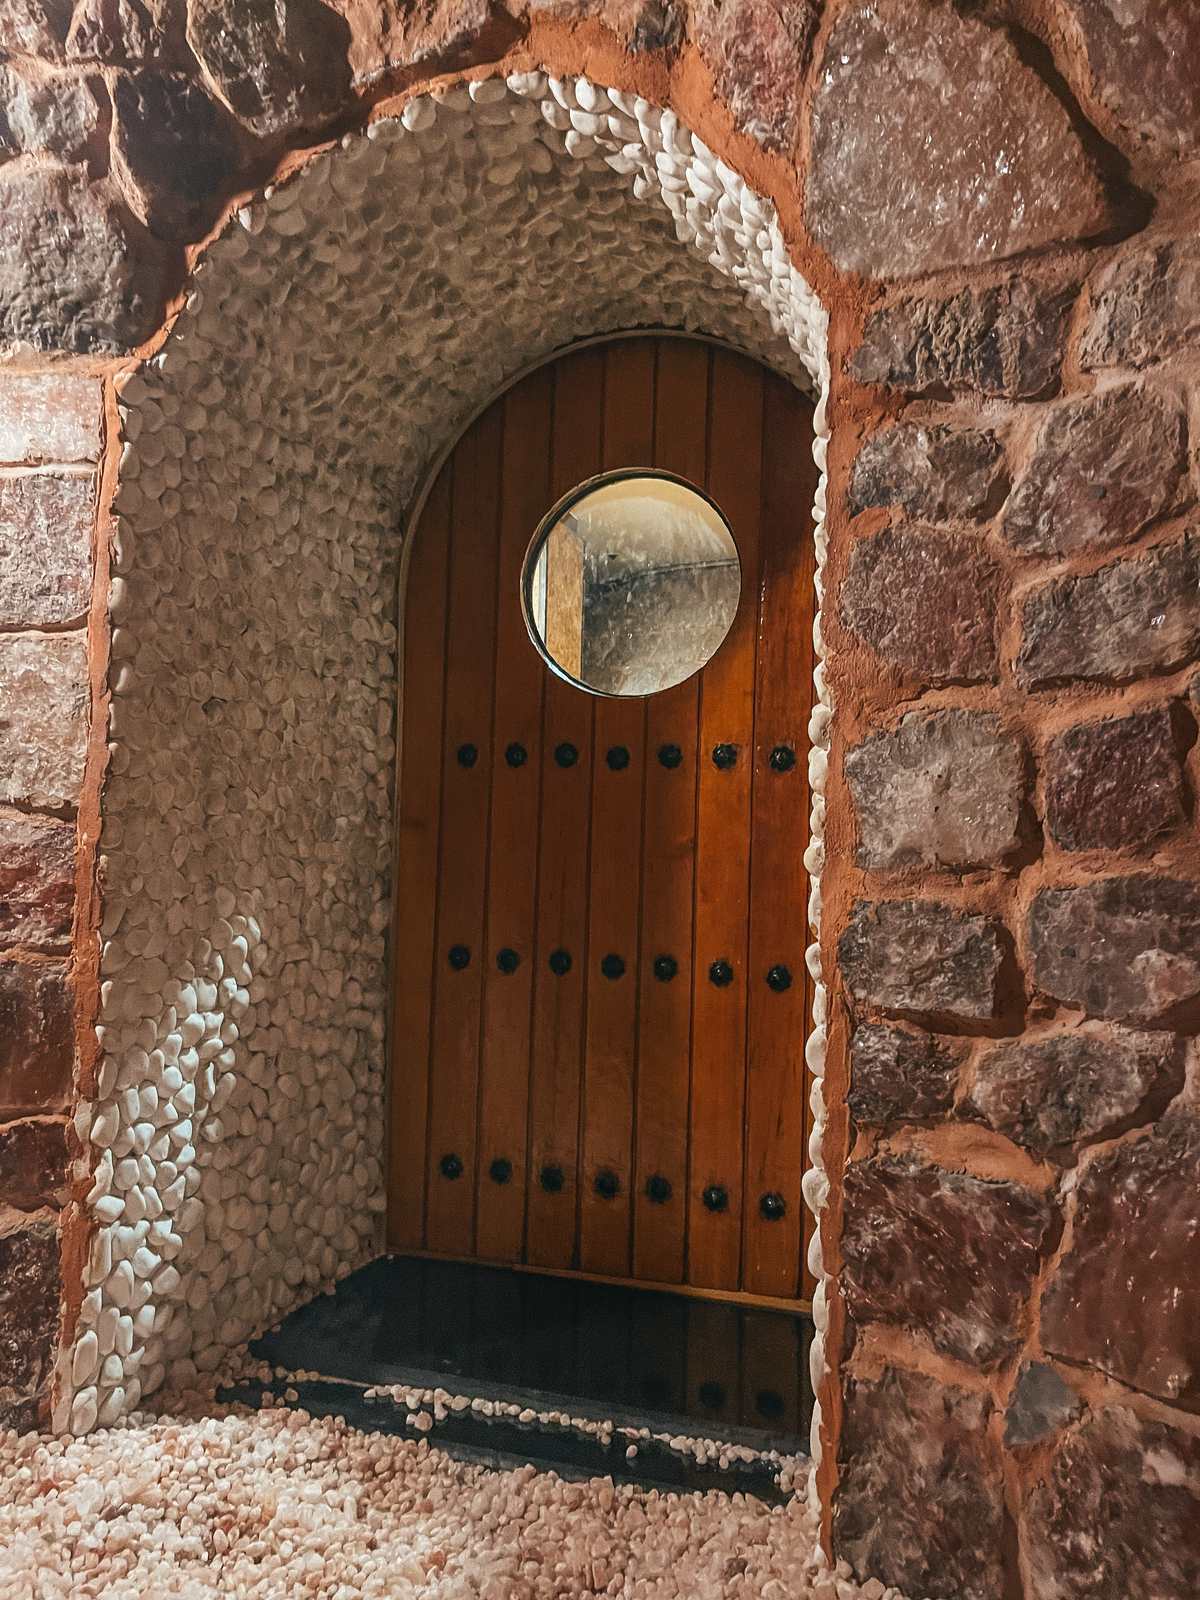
[276, 1504]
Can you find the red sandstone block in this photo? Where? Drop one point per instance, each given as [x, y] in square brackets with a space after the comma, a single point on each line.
[36, 1037]
[33, 1162]
[49, 416]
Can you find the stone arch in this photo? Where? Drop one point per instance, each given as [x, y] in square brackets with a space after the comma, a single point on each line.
[334, 336]
[961, 355]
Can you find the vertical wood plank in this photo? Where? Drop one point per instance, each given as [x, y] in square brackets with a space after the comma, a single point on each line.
[712, 1359]
[610, 1051]
[513, 855]
[668, 862]
[462, 869]
[419, 785]
[723, 845]
[777, 1018]
[771, 1372]
[558, 997]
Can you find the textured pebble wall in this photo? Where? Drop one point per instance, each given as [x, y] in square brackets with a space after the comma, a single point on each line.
[336, 336]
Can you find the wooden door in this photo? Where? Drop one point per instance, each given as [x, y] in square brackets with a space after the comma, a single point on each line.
[600, 995]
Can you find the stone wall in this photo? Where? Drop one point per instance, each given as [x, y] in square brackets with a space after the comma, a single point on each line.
[997, 205]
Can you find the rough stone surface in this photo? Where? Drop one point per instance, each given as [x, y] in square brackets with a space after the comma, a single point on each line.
[45, 547]
[1005, 340]
[43, 720]
[1135, 616]
[1117, 1513]
[1059, 1089]
[40, 115]
[278, 65]
[174, 151]
[1127, 948]
[30, 1288]
[72, 275]
[35, 27]
[1042, 1404]
[1115, 784]
[1145, 306]
[757, 51]
[1141, 62]
[33, 1162]
[917, 955]
[49, 416]
[128, 32]
[1103, 468]
[950, 1257]
[935, 472]
[898, 1074]
[1133, 1250]
[37, 881]
[926, 602]
[942, 790]
[934, 146]
[36, 1037]
[927, 1520]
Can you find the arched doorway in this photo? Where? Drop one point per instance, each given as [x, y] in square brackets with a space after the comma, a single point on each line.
[598, 958]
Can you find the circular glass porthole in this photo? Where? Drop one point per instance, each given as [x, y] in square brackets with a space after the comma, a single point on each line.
[631, 583]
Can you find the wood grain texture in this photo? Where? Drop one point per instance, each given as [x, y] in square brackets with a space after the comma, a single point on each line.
[519, 683]
[577, 1073]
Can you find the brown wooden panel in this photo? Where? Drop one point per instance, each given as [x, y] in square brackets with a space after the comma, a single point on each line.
[723, 843]
[771, 1372]
[611, 1034]
[513, 862]
[775, 1086]
[462, 869]
[669, 829]
[568, 719]
[418, 809]
[712, 1380]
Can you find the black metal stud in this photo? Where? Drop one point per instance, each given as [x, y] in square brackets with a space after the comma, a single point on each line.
[468, 755]
[551, 1179]
[458, 956]
[608, 1185]
[711, 1394]
[665, 968]
[782, 758]
[669, 755]
[768, 1403]
[507, 961]
[658, 1188]
[779, 977]
[617, 758]
[720, 974]
[516, 754]
[772, 1206]
[560, 962]
[716, 1197]
[724, 756]
[612, 967]
[500, 1170]
[450, 1166]
[565, 754]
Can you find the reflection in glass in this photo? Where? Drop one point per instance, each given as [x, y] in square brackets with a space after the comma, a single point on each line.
[631, 583]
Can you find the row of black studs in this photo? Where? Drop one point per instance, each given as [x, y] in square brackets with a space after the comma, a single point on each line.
[720, 973]
[724, 756]
[771, 1205]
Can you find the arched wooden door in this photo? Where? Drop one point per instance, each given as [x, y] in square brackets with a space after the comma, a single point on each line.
[648, 1126]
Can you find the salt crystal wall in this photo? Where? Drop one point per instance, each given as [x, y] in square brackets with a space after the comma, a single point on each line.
[998, 209]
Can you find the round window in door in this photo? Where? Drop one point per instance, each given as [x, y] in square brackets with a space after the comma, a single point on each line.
[631, 583]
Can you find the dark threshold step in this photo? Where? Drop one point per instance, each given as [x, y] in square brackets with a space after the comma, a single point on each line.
[638, 1359]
